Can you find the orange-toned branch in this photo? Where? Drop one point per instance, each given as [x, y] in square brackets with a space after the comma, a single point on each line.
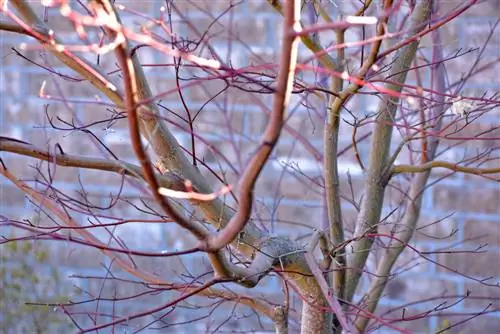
[132, 99]
[272, 132]
[50, 206]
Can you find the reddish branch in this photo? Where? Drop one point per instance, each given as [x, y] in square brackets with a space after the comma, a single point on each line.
[131, 102]
[140, 108]
[272, 133]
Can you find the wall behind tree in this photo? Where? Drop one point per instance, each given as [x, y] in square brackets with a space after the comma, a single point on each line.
[466, 207]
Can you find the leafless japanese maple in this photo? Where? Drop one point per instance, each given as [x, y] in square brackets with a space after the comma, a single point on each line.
[125, 68]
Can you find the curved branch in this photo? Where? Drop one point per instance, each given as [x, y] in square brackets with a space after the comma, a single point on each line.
[164, 144]
[272, 132]
[131, 103]
[222, 267]
[173, 159]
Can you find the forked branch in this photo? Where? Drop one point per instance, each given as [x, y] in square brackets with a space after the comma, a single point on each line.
[404, 233]
[272, 132]
[371, 205]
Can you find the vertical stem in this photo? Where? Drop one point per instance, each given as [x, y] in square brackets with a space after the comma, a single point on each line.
[331, 177]
[280, 320]
[376, 180]
[415, 197]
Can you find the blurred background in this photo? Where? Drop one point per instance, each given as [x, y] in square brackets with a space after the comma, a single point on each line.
[460, 211]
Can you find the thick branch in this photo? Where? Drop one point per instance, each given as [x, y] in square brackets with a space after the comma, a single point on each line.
[415, 196]
[375, 184]
[131, 104]
[280, 320]
[221, 266]
[174, 160]
[162, 141]
[331, 149]
[332, 298]
[168, 180]
[331, 175]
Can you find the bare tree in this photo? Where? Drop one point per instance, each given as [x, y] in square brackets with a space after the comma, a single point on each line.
[216, 211]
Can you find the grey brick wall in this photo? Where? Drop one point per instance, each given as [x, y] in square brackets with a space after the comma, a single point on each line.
[469, 206]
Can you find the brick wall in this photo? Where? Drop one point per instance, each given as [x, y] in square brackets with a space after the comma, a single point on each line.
[289, 200]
